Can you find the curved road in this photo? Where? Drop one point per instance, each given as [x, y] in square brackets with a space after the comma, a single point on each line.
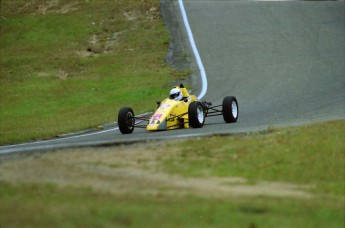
[284, 61]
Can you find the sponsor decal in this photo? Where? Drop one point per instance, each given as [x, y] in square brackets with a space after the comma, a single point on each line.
[152, 123]
[164, 106]
[155, 119]
[156, 116]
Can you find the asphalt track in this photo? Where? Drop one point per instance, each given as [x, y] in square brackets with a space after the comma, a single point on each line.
[284, 61]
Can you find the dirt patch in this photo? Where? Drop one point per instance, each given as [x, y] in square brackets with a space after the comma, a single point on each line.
[56, 7]
[49, 6]
[100, 44]
[122, 170]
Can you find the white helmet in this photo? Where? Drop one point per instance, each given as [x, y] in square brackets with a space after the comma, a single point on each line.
[175, 94]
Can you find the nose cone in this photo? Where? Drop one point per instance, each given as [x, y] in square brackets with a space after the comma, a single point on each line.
[159, 120]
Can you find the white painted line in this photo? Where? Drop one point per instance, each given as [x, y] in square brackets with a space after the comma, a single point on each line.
[195, 51]
[58, 139]
[64, 138]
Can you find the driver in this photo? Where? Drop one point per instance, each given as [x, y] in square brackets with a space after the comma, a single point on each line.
[175, 94]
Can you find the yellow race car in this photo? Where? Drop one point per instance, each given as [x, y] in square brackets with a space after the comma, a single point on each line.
[179, 110]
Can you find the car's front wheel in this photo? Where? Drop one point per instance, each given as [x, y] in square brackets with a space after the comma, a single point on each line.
[126, 120]
[196, 114]
[230, 109]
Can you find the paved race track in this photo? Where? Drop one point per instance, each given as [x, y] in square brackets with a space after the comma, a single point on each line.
[284, 61]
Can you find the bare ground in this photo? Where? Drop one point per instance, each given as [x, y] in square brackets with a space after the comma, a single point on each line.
[133, 170]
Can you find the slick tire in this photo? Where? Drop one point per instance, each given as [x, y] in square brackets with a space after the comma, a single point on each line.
[196, 115]
[230, 109]
[126, 120]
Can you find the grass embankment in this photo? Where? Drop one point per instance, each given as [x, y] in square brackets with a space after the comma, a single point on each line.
[290, 177]
[70, 65]
[306, 155]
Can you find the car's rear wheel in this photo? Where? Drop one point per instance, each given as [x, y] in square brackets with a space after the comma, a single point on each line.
[196, 114]
[126, 120]
[230, 109]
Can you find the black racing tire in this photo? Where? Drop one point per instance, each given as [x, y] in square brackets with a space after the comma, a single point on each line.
[230, 109]
[196, 114]
[126, 120]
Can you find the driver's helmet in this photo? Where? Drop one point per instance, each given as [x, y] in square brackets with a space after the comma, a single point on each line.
[175, 94]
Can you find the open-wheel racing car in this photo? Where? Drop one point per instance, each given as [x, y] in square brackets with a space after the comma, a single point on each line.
[180, 110]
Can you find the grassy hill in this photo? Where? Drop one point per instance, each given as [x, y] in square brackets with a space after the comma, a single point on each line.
[70, 65]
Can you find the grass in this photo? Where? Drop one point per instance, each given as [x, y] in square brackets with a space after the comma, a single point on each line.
[74, 63]
[97, 188]
[43, 206]
[306, 155]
